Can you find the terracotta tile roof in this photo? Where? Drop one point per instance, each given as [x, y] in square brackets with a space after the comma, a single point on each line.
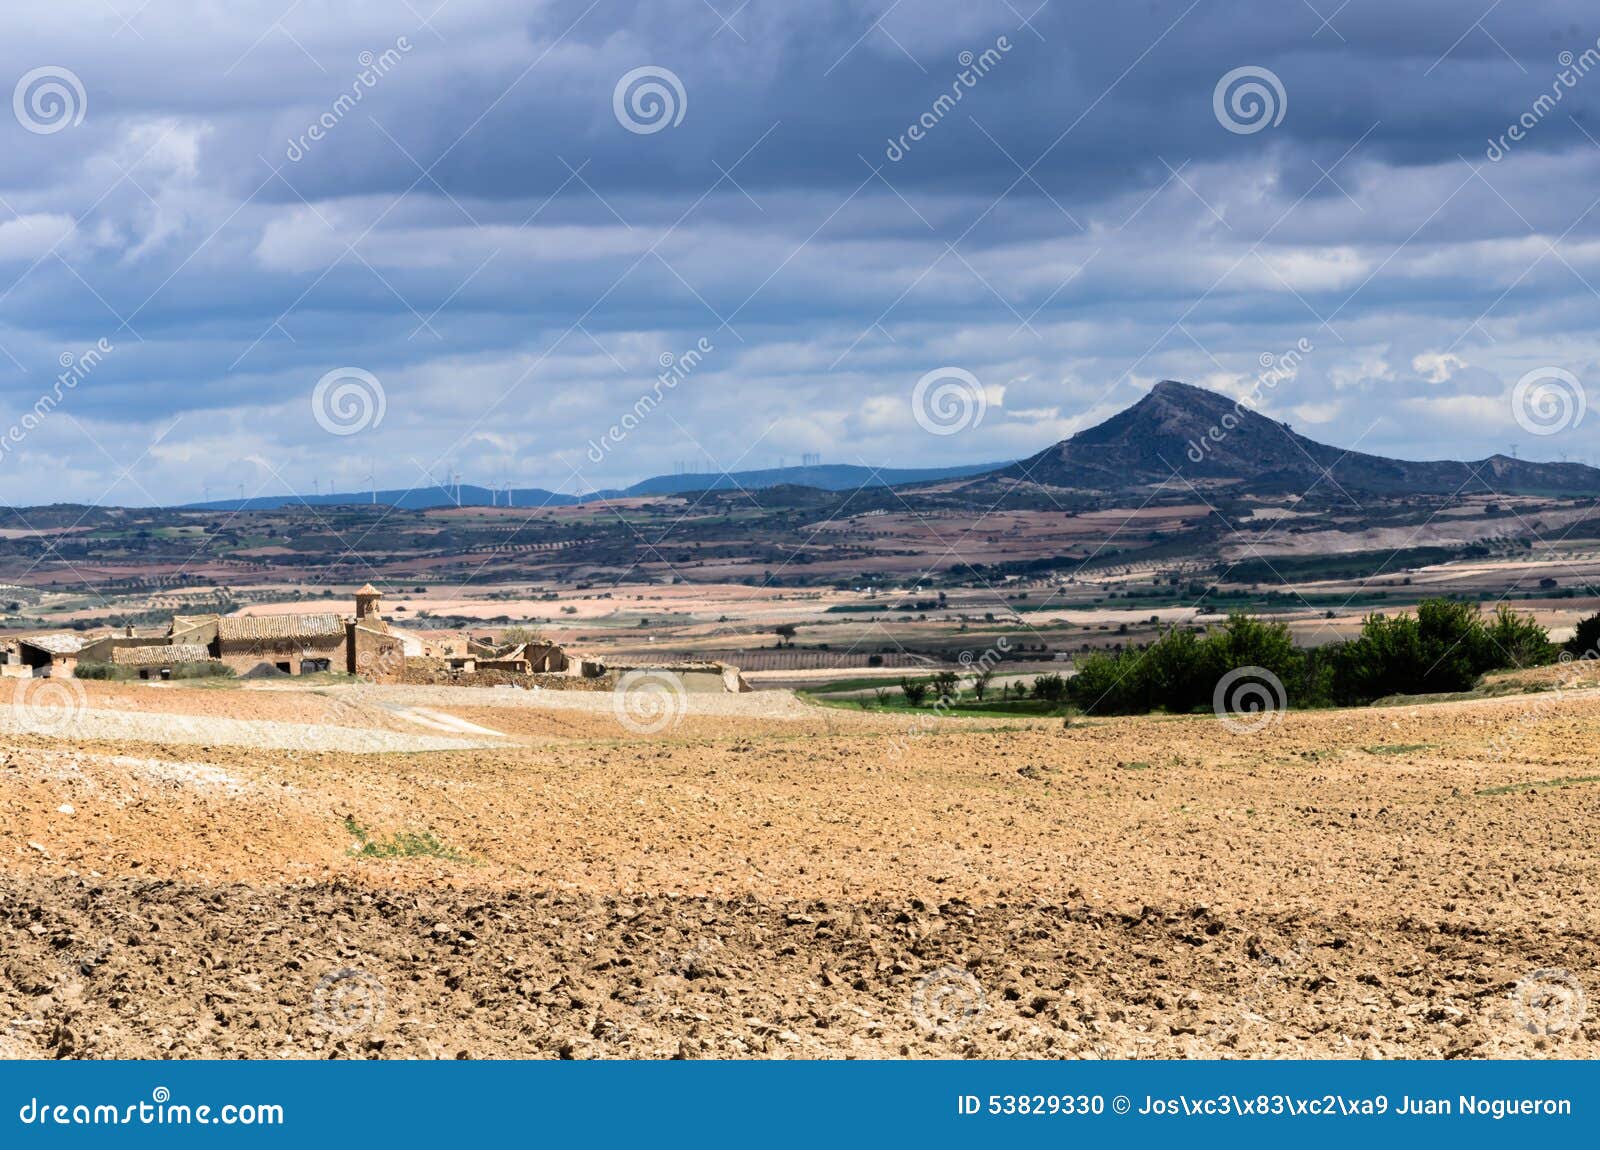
[280, 626]
[162, 655]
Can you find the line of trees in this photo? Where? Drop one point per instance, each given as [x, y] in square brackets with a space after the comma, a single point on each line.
[1445, 646]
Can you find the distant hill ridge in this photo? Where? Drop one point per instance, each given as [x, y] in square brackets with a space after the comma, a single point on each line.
[1179, 430]
[1175, 432]
[825, 477]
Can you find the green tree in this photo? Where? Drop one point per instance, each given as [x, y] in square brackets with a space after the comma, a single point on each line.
[1051, 688]
[1585, 641]
[1518, 639]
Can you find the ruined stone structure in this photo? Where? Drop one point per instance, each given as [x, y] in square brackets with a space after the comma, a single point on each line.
[361, 644]
[376, 652]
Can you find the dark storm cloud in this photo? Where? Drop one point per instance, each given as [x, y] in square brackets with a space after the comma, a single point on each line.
[259, 196]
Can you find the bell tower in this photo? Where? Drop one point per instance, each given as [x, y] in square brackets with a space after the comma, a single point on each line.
[368, 603]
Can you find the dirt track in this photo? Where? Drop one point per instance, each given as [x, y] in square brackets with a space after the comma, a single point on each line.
[1347, 884]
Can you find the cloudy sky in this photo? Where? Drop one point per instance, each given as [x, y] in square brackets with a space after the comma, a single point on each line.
[487, 223]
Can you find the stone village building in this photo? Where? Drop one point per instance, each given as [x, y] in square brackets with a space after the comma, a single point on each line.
[361, 644]
[295, 644]
[299, 644]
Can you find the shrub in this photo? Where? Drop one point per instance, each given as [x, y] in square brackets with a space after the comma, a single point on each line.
[1519, 639]
[1051, 688]
[1585, 641]
[1445, 646]
[1382, 661]
[915, 693]
[1180, 671]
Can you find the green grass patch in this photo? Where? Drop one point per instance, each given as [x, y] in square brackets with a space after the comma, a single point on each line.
[1540, 784]
[863, 683]
[1398, 748]
[404, 845]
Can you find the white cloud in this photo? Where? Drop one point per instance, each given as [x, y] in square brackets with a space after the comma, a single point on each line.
[1437, 367]
[29, 237]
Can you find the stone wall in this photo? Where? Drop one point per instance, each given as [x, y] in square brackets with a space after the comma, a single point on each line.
[436, 672]
[245, 656]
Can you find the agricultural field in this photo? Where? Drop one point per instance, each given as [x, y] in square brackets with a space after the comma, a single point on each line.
[298, 870]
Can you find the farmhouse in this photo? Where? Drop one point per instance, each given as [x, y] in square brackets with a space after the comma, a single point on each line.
[294, 644]
[299, 644]
[291, 644]
[158, 660]
[46, 655]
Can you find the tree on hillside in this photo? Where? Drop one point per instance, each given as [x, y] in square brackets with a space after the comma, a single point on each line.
[1051, 688]
[1585, 641]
